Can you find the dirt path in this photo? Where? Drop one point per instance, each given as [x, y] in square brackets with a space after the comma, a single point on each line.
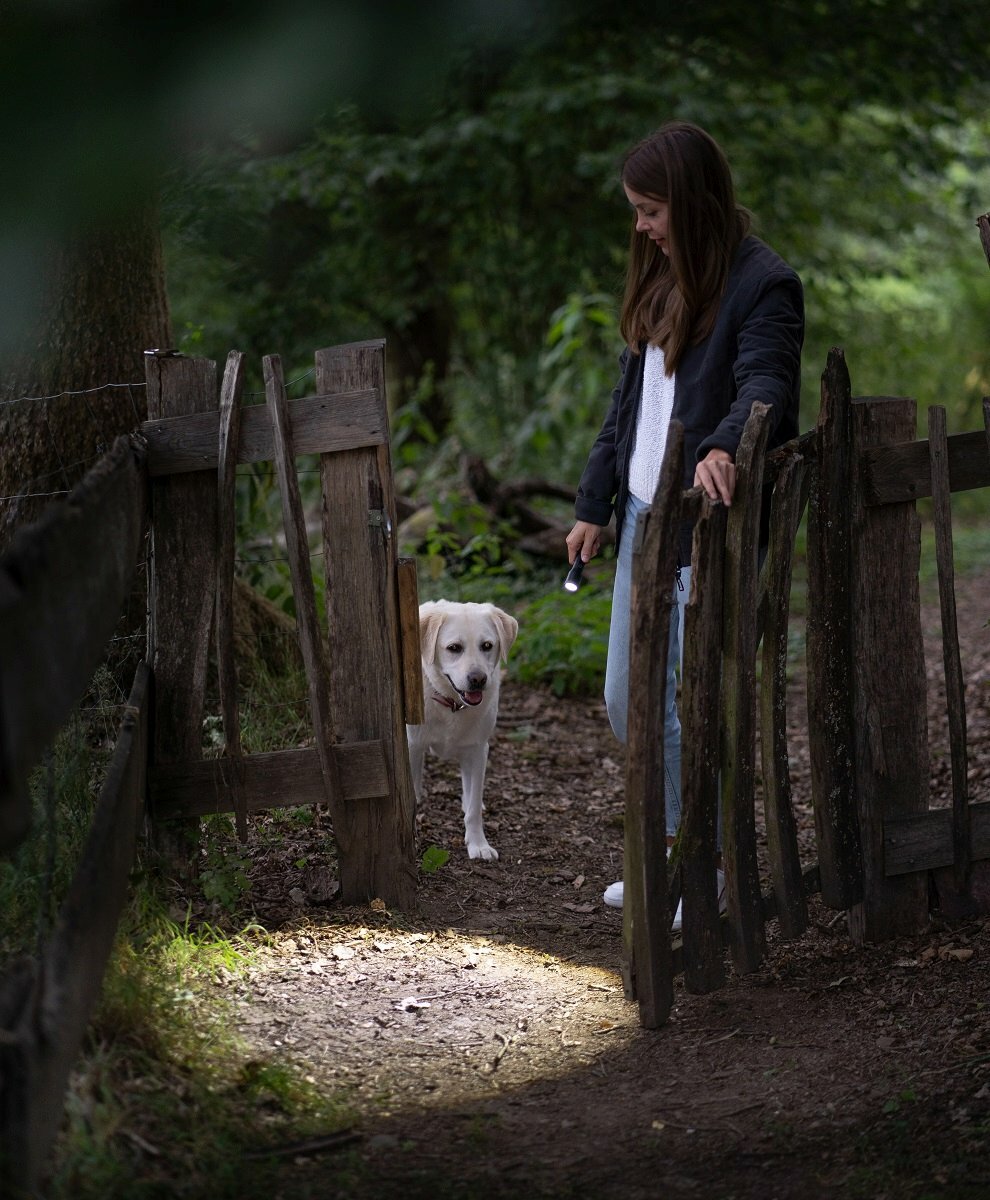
[487, 1049]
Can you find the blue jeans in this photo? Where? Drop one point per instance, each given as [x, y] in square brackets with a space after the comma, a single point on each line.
[617, 667]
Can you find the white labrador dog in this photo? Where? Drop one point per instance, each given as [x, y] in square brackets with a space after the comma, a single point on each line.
[461, 646]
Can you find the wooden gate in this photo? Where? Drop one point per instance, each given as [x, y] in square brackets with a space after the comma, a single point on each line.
[860, 473]
[364, 679]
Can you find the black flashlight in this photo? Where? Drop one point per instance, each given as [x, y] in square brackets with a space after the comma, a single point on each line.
[573, 580]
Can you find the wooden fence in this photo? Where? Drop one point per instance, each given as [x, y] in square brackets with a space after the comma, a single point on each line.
[860, 473]
[63, 583]
[64, 580]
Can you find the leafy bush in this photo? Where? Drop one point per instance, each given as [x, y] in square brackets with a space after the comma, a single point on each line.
[563, 640]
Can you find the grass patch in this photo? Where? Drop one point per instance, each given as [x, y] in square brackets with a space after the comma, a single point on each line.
[35, 879]
[165, 1101]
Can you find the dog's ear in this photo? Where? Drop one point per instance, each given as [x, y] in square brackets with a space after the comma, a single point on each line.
[429, 630]
[507, 628]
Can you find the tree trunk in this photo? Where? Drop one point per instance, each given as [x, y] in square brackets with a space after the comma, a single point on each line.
[103, 304]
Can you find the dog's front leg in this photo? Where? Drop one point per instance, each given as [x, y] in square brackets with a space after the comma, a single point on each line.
[473, 760]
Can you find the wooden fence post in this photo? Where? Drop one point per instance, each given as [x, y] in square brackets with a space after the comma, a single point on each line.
[782, 844]
[230, 432]
[365, 655]
[829, 642]
[889, 710]
[46, 1005]
[955, 685]
[181, 587]
[701, 718]
[646, 917]
[739, 700]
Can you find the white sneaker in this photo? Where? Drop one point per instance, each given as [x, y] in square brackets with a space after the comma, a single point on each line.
[613, 894]
[613, 898]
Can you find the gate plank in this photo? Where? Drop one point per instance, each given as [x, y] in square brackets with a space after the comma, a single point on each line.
[182, 586]
[700, 713]
[646, 914]
[274, 779]
[924, 842]
[955, 688]
[894, 474]
[365, 668]
[742, 873]
[829, 646]
[310, 639]
[230, 427]
[890, 719]
[782, 845]
[319, 425]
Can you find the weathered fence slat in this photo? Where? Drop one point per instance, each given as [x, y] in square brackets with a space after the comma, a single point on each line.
[829, 645]
[63, 583]
[230, 426]
[955, 688]
[894, 474]
[782, 845]
[365, 669]
[700, 714]
[924, 842]
[300, 567]
[890, 719]
[45, 1020]
[275, 779]
[412, 666]
[739, 700]
[319, 425]
[645, 902]
[182, 586]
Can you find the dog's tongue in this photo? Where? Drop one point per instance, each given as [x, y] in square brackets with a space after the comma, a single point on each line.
[473, 697]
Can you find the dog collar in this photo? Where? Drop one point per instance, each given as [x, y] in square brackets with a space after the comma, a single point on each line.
[447, 702]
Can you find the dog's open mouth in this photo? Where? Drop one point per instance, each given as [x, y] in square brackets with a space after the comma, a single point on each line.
[472, 698]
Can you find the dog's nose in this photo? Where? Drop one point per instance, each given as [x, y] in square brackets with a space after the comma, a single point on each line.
[476, 681]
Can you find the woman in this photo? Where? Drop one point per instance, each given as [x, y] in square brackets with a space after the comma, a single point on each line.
[713, 320]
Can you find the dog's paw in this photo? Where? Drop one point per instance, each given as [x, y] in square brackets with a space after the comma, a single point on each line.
[482, 850]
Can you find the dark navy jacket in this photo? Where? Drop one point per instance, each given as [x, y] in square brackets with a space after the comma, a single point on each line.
[752, 353]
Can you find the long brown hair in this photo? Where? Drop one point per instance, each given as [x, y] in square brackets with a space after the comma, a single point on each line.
[672, 301]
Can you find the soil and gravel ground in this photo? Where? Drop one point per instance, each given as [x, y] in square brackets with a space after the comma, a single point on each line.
[487, 1049]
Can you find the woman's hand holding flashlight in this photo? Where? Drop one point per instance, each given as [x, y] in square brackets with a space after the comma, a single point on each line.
[583, 543]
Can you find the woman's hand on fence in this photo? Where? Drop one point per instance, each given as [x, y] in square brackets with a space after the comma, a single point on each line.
[585, 540]
[716, 473]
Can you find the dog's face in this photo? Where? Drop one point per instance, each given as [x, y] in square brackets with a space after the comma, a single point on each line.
[462, 644]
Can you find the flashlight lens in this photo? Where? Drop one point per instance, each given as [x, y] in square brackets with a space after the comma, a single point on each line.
[573, 580]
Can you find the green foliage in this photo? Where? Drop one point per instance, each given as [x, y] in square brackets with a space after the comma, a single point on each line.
[462, 543]
[223, 876]
[576, 371]
[35, 880]
[466, 234]
[563, 640]
[433, 859]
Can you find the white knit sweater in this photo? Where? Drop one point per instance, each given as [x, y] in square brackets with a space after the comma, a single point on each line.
[655, 407]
